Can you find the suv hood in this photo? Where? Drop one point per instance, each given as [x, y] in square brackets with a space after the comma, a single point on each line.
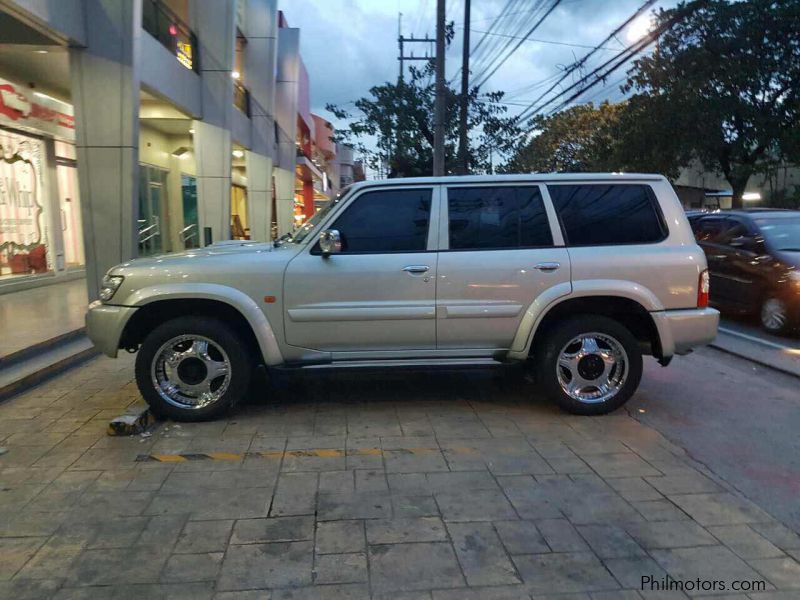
[220, 249]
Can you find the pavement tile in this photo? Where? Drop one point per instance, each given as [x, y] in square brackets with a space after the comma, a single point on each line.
[630, 571]
[273, 529]
[204, 536]
[504, 592]
[15, 552]
[719, 509]
[567, 572]
[780, 535]
[414, 506]
[670, 534]
[783, 573]
[521, 537]
[688, 483]
[461, 480]
[395, 531]
[138, 564]
[340, 568]
[369, 480]
[336, 537]
[346, 591]
[118, 532]
[609, 541]
[420, 461]
[481, 554]
[479, 505]
[192, 567]
[212, 504]
[415, 566]
[707, 562]
[163, 529]
[255, 566]
[295, 494]
[745, 542]
[634, 489]
[335, 507]
[660, 510]
[561, 536]
[26, 589]
[624, 464]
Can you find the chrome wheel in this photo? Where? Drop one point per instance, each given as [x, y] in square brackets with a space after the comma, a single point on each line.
[774, 314]
[592, 368]
[191, 372]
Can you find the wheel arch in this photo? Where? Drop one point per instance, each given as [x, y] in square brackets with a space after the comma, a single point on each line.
[158, 304]
[627, 302]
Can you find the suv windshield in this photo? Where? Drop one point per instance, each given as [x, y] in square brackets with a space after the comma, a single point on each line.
[782, 234]
[306, 228]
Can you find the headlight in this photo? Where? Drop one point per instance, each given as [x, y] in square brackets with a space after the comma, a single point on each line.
[109, 286]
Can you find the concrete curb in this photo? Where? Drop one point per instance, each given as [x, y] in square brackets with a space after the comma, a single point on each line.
[757, 361]
[46, 373]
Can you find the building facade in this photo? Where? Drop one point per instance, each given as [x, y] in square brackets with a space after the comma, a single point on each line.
[149, 126]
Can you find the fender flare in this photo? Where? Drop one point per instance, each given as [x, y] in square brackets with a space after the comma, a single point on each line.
[544, 303]
[244, 304]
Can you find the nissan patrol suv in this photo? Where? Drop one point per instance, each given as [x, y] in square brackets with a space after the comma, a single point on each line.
[578, 275]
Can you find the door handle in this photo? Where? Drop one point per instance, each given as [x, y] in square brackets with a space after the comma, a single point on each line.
[547, 267]
[416, 269]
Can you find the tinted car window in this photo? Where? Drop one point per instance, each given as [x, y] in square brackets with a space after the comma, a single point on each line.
[596, 215]
[493, 218]
[386, 221]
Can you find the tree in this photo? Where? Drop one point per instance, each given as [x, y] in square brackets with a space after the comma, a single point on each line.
[398, 118]
[579, 139]
[722, 87]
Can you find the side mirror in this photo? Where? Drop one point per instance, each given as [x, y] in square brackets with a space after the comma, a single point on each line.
[330, 242]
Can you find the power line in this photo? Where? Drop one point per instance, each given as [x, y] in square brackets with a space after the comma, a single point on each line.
[574, 45]
[528, 112]
[486, 77]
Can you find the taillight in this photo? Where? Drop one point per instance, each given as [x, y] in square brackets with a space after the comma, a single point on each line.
[703, 286]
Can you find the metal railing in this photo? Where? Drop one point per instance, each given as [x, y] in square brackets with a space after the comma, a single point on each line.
[189, 236]
[241, 97]
[151, 231]
[164, 25]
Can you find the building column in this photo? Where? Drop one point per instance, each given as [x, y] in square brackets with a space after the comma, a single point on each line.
[284, 200]
[214, 21]
[105, 93]
[259, 196]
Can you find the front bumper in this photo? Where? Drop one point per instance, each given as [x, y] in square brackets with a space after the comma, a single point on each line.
[682, 330]
[104, 325]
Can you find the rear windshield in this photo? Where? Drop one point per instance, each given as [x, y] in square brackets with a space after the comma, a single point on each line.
[600, 215]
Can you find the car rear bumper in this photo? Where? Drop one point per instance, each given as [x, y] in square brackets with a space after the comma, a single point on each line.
[104, 325]
[682, 330]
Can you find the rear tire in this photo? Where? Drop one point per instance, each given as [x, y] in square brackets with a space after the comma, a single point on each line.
[588, 365]
[193, 369]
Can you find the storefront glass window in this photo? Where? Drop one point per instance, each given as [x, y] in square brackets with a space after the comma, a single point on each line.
[190, 234]
[24, 235]
[69, 203]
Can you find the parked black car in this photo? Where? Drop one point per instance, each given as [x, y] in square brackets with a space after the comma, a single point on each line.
[754, 261]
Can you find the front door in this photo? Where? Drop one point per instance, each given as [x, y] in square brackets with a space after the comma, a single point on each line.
[379, 293]
[497, 256]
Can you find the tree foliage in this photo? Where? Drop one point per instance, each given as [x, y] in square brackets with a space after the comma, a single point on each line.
[393, 126]
[723, 87]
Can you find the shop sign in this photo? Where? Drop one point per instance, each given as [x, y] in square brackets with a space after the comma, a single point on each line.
[20, 191]
[183, 51]
[20, 107]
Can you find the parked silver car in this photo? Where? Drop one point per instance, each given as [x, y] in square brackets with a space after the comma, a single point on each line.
[580, 275]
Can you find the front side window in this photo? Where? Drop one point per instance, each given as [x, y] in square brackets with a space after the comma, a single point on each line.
[599, 215]
[783, 233]
[496, 218]
[386, 221]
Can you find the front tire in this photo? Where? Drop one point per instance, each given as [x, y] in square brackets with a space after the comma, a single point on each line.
[774, 316]
[589, 365]
[192, 369]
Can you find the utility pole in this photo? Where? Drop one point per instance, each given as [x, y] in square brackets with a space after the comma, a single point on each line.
[439, 107]
[400, 44]
[463, 140]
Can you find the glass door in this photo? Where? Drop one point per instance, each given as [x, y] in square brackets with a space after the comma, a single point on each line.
[190, 233]
[152, 215]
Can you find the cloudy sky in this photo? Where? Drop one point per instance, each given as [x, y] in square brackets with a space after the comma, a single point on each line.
[350, 45]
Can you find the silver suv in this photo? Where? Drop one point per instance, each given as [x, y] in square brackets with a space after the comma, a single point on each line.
[578, 275]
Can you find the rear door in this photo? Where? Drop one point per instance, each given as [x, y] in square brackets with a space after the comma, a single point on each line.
[499, 250]
[379, 293]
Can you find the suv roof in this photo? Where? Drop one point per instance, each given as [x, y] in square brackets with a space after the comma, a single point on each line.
[763, 212]
[544, 177]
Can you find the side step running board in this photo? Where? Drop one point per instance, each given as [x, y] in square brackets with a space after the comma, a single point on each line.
[395, 363]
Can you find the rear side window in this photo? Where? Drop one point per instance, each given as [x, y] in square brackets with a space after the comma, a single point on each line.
[386, 221]
[496, 218]
[599, 215]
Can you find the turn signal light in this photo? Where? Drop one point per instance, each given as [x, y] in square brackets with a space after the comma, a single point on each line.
[703, 287]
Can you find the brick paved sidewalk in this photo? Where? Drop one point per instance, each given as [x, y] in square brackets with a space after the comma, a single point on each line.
[414, 485]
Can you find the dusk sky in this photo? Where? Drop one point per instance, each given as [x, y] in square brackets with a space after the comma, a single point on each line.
[350, 45]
